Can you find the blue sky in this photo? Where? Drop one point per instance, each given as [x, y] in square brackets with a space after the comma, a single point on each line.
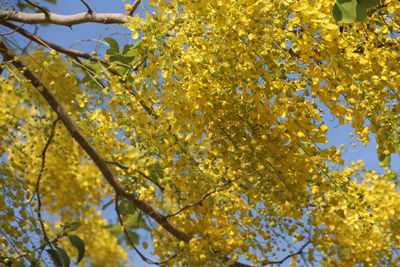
[84, 37]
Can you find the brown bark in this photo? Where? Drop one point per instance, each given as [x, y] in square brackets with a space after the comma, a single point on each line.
[64, 20]
[85, 144]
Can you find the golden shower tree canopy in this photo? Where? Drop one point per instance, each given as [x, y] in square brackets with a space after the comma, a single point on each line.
[209, 137]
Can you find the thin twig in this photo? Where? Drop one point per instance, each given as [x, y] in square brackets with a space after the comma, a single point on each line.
[90, 11]
[23, 51]
[41, 41]
[134, 7]
[300, 251]
[90, 71]
[99, 161]
[151, 180]
[3, 65]
[37, 188]
[138, 171]
[44, 10]
[201, 199]
[144, 258]
[11, 32]
[118, 164]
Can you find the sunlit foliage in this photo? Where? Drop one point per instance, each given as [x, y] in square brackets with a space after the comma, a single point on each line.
[218, 118]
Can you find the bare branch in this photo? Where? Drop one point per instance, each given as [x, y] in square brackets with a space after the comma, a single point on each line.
[37, 188]
[11, 32]
[39, 40]
[64, 20]
[99, 161]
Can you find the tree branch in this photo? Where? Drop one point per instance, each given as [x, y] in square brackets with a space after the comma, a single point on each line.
[140, 172]
[144, 258]
[300, 251]
[90, 150]
[37, 188]
[134, 7]
[201, 199]
[44, 10]
[90, 11]
[11, 32]
[39, 40]
[98, 160]
[64, 20]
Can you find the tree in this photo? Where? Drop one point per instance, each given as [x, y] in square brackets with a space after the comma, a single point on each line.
[210, 131]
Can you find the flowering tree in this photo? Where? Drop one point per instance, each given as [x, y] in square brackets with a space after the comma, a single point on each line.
[209, 132]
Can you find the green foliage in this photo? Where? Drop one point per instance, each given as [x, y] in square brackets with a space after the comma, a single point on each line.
[59, 257]
[392, 145]
[384, 160]
[156, 171]
[72, 226]
[136, 221]
[79, 245]
[126, 207]
[350, 11]
[125, 60]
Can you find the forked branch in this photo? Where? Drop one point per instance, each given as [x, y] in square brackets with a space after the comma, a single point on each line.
[99, 161]
[87, 146]
[69, 52]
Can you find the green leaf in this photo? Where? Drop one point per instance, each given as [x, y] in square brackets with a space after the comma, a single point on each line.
[300, 151]
[136, 221]
[133, 52]
[368, 3]
[396, 141]
[384, 160]
[126, 49]
[350, 11]
[51, 1]
[345, 11]
[21, 5]
[72, 226]
[106, 205]
[121, 60]
[126, 207]
[397, 148]
[361, 13]
[64, 256]
[19, 264]
[134, 237]
[80, 246]
[156, 171]
[55, 257]
[115, 229]
[114, 47]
